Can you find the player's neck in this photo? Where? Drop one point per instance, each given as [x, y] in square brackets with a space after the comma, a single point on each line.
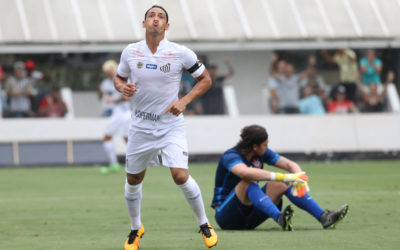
[153, 40]
[249, 156]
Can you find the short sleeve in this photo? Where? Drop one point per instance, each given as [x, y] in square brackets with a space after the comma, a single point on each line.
[270, 157]
[272, 83]
[363, 62]
[231, 159]
[123, 67]
[378, 62]
[190, 62]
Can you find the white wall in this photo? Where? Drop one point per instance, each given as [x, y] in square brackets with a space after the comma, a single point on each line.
[251, 77]
[214, 134]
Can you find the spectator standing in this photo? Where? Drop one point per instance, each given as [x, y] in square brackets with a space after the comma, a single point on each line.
[371, 68]
[276, 69]
[372, 100]
[214, 97]
[346, 60]
[53, 105]
[3, 97]
[311, 103]
[340, 105]
[19, 92]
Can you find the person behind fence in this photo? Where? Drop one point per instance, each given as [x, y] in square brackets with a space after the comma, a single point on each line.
[370, 68]
[19, 92]
[340, 105]
[240, 202]
[52, 105]
[214, 98]
[373, 100]
[286, 87]
[311, 103]
[3, 97]
[346, 60]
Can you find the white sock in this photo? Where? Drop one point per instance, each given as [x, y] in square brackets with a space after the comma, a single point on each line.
[133, 197]
[110, 152]
[193, 195]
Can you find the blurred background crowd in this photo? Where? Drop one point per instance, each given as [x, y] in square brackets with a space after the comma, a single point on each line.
[312, 82]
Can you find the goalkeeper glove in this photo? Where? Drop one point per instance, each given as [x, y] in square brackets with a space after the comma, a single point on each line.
[300, 189]
[300, 177]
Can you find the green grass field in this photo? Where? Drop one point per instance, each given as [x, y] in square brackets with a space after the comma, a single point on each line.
[78, 208]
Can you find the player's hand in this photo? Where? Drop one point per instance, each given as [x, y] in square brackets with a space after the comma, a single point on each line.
[176, 108]
[300, 189]
[128, 89]
[300, 177]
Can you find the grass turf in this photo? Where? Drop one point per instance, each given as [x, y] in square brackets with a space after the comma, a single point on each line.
[79, 208]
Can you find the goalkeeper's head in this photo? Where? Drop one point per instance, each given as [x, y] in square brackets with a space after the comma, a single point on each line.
[254, 138]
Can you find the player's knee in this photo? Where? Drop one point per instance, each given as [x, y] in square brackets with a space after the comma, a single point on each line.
[134, 179]
[180, 177]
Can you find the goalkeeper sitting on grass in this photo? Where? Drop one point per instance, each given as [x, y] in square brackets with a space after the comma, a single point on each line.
[239, 201]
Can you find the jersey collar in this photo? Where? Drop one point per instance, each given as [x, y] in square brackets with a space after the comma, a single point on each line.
[161, 45]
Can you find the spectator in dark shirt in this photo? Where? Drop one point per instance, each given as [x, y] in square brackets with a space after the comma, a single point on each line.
[373, 100]
[214, 98]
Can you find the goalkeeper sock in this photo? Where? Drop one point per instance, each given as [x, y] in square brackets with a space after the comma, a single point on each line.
[306, 203]
[261, 201]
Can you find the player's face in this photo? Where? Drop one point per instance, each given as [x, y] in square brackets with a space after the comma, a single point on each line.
[260, 149]
[156, 21]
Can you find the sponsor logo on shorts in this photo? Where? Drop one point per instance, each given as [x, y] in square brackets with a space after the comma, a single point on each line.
[166, 68]
[146, 115]
[151, 66]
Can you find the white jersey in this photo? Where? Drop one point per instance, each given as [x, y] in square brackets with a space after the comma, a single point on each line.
[157, 78]
[109, 91]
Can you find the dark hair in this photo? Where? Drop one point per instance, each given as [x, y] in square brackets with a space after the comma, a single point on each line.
[253, 134]
[156, 6]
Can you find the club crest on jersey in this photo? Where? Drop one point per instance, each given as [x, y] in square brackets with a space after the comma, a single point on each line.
[139, 65]
[166, 68]
[151, 66]
[256, 163]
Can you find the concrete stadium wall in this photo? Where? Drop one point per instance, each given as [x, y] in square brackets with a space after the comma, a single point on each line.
[78, 141]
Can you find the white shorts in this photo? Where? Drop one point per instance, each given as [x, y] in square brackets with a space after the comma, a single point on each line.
[166, 147]
[118, 124]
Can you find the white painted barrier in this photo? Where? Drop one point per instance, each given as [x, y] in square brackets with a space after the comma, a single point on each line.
[214, 134]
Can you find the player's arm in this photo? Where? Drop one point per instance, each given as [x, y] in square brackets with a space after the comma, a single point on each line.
[121, 84]
[288, 165]
[255, 174]
[202, 85]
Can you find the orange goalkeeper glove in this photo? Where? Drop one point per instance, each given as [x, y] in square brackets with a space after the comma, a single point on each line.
[300, 189]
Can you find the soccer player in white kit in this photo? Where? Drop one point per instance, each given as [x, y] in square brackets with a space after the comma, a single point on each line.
[154, 66]
[118, 123]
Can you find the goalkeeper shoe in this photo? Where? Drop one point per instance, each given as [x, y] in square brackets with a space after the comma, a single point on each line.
[329, 219]
[132, 243]
[285, 219]
[209, 235]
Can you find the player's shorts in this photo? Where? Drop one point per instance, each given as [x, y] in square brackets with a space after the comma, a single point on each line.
[166, 147]
[118, 124]
[232, 214]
